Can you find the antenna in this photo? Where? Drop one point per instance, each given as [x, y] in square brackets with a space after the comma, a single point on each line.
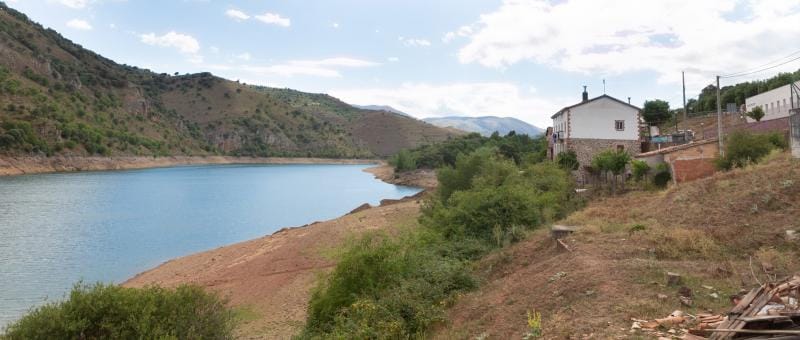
[604, 86]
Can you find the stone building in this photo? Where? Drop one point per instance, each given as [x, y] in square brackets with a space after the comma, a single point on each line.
[592, 126]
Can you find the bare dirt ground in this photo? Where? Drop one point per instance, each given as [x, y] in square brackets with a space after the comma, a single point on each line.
[423, 178]
[269, 280]
[33, 165]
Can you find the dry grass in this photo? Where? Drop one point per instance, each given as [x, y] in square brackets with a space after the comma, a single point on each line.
[707, 230]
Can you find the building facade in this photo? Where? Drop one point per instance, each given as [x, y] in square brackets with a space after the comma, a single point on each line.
[776, 103]
[595, 125]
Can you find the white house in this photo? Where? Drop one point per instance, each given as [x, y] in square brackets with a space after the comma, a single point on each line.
[594, 125]
[776, 103]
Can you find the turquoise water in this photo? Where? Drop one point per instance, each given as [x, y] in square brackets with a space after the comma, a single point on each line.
[56, 229]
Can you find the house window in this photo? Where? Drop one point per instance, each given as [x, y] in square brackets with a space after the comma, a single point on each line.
[619, 125]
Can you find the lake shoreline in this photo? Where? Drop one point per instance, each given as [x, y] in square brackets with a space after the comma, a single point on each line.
[273, 276]
[10, 166]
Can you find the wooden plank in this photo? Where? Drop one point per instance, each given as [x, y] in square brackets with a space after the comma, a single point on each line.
[764, 318]
[736, 312]
[756, 331]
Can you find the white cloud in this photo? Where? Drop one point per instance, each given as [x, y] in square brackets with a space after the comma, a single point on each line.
[237, 14]
[335, 25]
[393, 59]
[244, 56]
[329, 67]
[414, 42]
[214, 49]
[79, 24]
[614, 37]
[274, 19]
[464, 99]
[184, 43]
[463, 31]
[76, 4]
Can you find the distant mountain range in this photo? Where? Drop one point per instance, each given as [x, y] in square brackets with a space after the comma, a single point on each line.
[58, 98]
[386, 108]
[486, 125]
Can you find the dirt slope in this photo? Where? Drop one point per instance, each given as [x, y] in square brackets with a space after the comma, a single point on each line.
[707, 231]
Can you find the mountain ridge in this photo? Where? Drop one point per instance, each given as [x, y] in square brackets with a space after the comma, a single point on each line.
[60, 98]
[486, 125]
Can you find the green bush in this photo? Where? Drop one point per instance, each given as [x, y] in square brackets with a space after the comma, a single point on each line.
[662, 177]
[403, 161]
[397, 287]
[568, 160]
[500, 200]
[743, 148]
[112, 312]
[386, 289]
[639, 169]
[756, 114]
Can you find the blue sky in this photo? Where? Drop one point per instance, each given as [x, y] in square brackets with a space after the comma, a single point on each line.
[520, 58]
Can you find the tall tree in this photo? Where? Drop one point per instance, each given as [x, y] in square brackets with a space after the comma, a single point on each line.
[656, 111]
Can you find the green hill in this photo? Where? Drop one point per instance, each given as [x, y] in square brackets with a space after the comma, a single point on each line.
[58, 98]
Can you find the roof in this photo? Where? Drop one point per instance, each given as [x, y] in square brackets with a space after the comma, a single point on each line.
[677, 147]
[593, 99]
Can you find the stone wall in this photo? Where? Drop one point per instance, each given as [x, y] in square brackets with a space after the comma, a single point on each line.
[586, 149]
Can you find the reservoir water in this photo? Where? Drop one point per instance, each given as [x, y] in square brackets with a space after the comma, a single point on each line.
[56, 229]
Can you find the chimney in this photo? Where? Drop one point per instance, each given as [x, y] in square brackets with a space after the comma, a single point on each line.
[629, 100]
[585, 94]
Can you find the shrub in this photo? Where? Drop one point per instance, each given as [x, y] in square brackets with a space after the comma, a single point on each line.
[103, 311]
[639, 169]
[500, 200]
[403, 161]
[743, 148]
[756, 114]
[387, 289]
[662, 177]
[568, 160]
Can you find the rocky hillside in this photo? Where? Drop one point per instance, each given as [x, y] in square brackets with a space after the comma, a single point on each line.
[59, 98]
[486, 125]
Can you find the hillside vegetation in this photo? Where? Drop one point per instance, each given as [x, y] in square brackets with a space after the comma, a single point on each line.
[59, 98]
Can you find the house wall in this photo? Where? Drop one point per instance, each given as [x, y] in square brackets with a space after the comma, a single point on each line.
[775, 103]
[595, 120]
[693, 162]
[586, 149]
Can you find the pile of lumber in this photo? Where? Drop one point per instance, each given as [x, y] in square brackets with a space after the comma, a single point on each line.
[767, 312]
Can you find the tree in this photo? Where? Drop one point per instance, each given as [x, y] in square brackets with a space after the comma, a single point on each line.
[757, 113]
[611, 161]
[656, 111]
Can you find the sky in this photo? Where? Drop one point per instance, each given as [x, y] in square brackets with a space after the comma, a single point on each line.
[517, 58]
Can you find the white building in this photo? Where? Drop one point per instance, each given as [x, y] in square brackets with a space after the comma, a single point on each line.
[775, 103]
[594, 125]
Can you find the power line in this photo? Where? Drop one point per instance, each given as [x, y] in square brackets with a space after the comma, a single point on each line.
[760, 66]
[744, 73]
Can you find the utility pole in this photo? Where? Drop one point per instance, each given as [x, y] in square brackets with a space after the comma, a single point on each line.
[719, 120]
[685, 115]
